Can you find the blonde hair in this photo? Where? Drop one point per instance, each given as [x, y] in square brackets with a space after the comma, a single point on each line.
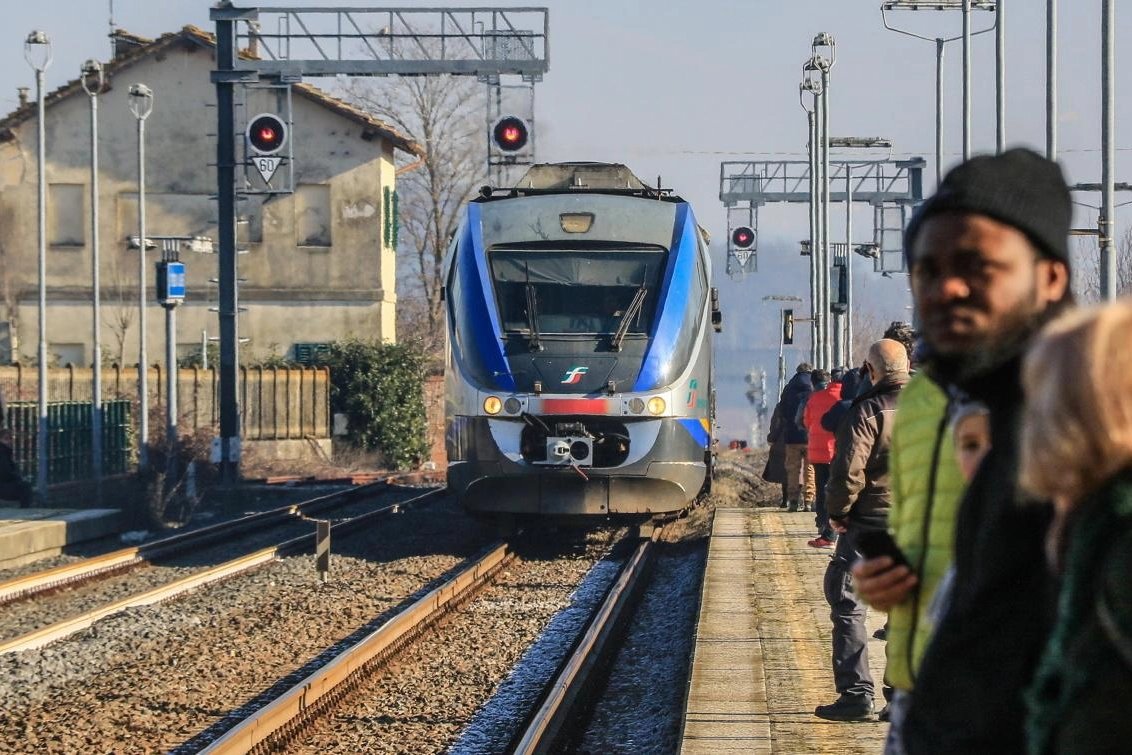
[1077, 419]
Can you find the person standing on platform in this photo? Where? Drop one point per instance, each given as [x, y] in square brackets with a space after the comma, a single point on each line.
[819, 447]
[989, 261]
[799, 474]
[857, 499]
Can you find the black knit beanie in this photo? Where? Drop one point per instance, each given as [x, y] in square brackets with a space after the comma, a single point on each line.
[1018, 187]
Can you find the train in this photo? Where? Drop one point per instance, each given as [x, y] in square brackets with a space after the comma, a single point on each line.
[580, 316]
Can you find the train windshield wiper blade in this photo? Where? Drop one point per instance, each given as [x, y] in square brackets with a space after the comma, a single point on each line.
[630, 313]
[532, 317]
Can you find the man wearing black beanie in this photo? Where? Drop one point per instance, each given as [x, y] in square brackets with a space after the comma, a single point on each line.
[989, 260]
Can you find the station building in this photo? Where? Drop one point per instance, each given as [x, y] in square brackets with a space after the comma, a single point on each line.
[315, 265]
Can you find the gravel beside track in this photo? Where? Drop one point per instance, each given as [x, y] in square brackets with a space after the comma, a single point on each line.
[642, 704]
[160, 675]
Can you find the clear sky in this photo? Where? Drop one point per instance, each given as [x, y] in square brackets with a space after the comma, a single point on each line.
[673, 87]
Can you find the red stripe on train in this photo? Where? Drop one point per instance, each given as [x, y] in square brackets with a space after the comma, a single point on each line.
[576, 406]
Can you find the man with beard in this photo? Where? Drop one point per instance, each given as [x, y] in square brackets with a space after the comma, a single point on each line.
[989, 259]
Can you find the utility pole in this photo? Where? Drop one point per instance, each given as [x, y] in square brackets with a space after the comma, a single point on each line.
[92, 83]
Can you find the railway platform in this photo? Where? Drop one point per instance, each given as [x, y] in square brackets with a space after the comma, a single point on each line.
[30, 534]
[762, 656]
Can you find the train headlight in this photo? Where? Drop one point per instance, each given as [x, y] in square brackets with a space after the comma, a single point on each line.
[512, 405]
[657, 405]
[636, 405]
[492, 405]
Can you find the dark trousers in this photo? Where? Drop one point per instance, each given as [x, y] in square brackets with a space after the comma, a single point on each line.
[850, 638]
[821, 519]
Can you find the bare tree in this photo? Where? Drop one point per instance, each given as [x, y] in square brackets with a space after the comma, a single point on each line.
[445, 114]
[121, 309]
[1085, 258]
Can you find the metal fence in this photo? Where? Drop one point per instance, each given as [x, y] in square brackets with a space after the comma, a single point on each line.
[70, 437]
[275, 404]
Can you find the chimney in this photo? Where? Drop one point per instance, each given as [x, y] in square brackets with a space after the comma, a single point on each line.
[253, 39]
[23, 93]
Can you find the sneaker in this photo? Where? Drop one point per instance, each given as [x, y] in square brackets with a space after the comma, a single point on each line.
[883, 714]
[881, 634]
[793, 505]
[847, 709]
[819, 542]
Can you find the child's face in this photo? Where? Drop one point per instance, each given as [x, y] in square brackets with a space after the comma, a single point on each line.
[972, 441]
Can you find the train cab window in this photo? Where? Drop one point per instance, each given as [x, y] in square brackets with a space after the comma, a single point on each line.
[577, 293]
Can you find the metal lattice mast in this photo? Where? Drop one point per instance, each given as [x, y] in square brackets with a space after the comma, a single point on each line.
[294, 43]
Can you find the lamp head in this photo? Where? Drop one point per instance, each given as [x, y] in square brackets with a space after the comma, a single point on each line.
[37, 50]
[141, 100]
[92, 77]
[824, 50]
[812, 74]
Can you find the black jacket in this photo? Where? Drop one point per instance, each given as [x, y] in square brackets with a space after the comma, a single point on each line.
[793, 395]
[852, 386]
[858, 475]
[968, 691]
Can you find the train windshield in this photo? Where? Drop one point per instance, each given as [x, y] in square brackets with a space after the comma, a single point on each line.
[545, 292]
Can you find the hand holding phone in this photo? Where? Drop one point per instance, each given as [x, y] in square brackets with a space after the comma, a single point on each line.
[877, 543]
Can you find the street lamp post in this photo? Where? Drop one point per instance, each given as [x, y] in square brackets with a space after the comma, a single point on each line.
[824, 43]
[37, 52]
[92, 82]
[141, 104]
[812, 86]
[1107, 222]
[1051, 79]
[966, 6]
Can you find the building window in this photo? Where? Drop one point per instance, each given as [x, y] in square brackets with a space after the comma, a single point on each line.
[310, 354]
[312, 215]
[65, 215]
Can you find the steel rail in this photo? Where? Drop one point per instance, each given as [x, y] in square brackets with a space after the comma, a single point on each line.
[566, 690]
[287, 713]
[67, 627]
[126, 558]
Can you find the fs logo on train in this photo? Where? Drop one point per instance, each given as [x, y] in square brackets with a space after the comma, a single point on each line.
[574, 375]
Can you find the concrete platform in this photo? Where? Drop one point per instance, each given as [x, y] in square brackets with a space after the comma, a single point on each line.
[30, 534]
[762, 658]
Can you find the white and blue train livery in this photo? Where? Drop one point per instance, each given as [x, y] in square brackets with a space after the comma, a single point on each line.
[579, 373]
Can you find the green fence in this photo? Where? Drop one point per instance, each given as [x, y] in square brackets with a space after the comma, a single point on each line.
[69, 438]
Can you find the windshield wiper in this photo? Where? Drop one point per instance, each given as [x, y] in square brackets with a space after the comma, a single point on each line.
[532, 315]
[632, 311]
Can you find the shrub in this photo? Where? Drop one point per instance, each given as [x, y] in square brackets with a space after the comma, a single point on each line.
[380, 388]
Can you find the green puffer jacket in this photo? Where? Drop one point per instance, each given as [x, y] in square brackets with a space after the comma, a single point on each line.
[925, 503]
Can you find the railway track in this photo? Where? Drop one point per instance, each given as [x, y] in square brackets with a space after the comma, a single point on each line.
[282, 723]
[128, 559]
[281, 720]
[124, 559]
[567, 693]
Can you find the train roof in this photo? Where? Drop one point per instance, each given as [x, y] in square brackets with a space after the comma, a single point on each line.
[579, 178]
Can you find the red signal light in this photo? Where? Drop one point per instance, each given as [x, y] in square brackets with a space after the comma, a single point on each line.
[743, 237]
[266, 134]
[510, 134]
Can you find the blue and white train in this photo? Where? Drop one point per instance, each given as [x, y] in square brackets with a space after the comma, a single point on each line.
[579, 367]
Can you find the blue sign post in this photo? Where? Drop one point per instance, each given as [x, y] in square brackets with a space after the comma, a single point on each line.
[170, 292]
[170, 283]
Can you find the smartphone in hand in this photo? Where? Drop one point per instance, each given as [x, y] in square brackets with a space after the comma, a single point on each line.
[877, 543]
